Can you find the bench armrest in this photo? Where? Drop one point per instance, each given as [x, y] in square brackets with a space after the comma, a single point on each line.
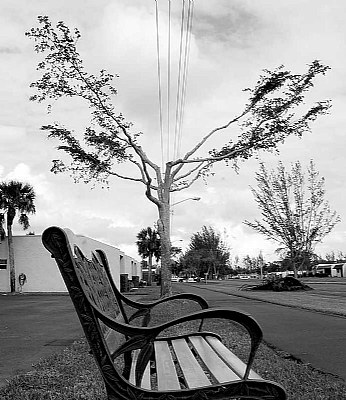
[145, 308]
[143, 337]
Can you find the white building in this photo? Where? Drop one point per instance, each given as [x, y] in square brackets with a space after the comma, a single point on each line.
[41, 271]
[337, 270]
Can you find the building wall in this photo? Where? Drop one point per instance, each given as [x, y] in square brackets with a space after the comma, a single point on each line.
[32, 259]
[339, 272]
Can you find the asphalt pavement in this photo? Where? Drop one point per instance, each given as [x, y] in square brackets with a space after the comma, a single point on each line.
[315, 338]
[33, 327]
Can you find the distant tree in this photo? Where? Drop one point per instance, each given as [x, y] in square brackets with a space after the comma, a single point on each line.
[333, 256]
[272, 266]
[294, 211]
[253, 264]
[108, 140]
[250, 263]
[260, 264]
[340, 256]
[15, 196]
[236, 262]
[206, 253]
[304, 260]
[148, 245]
[330, 256]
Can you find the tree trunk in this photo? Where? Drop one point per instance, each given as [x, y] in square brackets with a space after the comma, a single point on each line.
[150, 265]
[11, 212]
[11, 260]
[293, 257]
[164, 232]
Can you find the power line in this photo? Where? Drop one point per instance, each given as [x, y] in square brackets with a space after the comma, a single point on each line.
[159, 80]
[184, 54]
[185, 72]
[177, 111]
[182, 77]
[168, 78]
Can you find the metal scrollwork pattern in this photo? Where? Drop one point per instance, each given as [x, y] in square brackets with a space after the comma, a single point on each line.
[88, 286]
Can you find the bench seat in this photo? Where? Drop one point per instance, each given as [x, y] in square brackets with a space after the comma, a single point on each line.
[190, 362]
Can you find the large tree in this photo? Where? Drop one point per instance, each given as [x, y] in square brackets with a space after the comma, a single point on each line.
[294, 211]
[206, 254]
[266, 120]
[148, 245]
[15, 196]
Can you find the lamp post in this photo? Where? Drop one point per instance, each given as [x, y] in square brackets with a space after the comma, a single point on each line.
[178, 202]
[189, 198]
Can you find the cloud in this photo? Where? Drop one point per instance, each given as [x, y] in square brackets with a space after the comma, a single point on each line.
[12, 136]
[9, 50]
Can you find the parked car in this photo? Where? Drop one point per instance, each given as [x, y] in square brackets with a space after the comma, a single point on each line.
[176, 279]
[191, 280]
[244, 277]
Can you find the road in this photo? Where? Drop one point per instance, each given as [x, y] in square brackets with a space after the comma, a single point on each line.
[315, 338]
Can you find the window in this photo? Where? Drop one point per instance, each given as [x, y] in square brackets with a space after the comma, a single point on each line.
[3, 263]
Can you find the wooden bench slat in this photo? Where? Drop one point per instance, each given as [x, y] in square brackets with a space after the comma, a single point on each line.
[216, 366]
[193, 372]
[232, 360]
[145, 383]
[167, 378]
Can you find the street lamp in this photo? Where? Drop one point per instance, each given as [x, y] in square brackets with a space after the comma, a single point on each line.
[189, 198]
[178, 202]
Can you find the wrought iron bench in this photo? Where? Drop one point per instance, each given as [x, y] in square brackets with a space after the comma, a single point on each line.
[140, 362]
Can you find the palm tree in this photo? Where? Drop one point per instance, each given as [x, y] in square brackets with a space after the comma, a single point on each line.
[15, 196]
[2, 230]
[148, 244]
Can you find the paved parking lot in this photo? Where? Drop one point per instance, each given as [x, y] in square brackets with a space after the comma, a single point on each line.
[33, 327]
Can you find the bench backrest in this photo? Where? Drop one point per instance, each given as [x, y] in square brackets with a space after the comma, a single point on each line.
[89, 283]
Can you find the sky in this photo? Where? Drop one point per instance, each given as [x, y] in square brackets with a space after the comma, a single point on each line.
[232, 42]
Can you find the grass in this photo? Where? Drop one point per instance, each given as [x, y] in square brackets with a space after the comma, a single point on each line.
[306, 300]
[73, 374]
[317, 299]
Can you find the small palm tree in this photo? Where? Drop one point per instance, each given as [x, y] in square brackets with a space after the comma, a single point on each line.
[15, 196]
[148, 244]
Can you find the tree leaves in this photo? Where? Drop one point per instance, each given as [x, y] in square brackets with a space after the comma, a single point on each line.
[294, 210]
[274, 112]
[17, 196]
[148, 243]
[206, 253]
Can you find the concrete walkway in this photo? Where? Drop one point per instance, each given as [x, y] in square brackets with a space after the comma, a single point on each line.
[312, 337]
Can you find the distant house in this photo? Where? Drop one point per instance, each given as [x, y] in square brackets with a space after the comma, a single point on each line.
[333, 269]
[41, 271]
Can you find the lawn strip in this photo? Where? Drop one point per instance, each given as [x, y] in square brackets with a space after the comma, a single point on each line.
[308, 300]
